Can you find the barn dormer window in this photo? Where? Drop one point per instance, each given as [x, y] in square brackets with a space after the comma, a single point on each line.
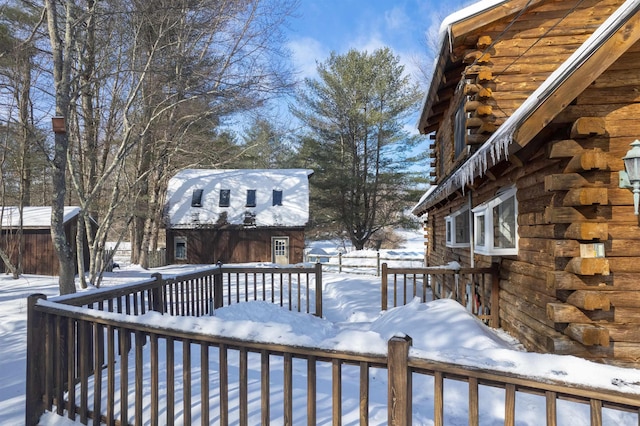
[277, 197]
[196, 198]
[251, 197]
[225, 197]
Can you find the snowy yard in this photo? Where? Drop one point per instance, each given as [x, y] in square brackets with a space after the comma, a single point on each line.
[441, 330]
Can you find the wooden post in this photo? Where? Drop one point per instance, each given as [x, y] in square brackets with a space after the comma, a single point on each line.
[157, 302]
[339, 262]
[399, 390]
[385, 288]
[36, 352]
[495, 296]
[318, 272]
[378, 263]
[218, 297]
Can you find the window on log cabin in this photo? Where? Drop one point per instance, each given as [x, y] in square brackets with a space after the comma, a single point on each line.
[225, 197]
[460, 130]
[457, 228]
[496, 225]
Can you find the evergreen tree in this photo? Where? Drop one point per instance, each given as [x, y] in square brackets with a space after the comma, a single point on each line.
[358, 147]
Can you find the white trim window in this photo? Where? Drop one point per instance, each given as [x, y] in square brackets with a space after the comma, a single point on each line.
[457, 228]
[496, 225]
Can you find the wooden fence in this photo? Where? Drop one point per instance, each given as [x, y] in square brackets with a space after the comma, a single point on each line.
[85, 359]
[475, 288]
[360, 264]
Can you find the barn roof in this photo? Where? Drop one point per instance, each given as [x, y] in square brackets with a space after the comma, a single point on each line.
[33, 217]
[572, 77]
[292, 184]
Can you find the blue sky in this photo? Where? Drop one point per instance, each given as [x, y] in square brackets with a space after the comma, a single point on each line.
[323, 26]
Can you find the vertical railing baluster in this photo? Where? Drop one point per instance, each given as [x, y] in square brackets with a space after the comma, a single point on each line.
[123, 337]
[186, 381]
[224, 384]
[171, 379]
[551, 405]
[154, 362]
[312, 386]
[510, 405]
[364, 393]
[336, 392]
[473, 402]
[139, 338]
[111, 374]
[288, 389]
[243, 378]
[204, 383]
[265, 400]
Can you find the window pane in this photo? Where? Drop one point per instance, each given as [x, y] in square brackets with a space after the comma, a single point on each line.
[277, 197]
[504, 224]
[196, 198]
[225, 196]
[462, 227]
[460, 136]
[280, 247]
[480, 232]
[251, 197]
[448, 223]
[181, 249]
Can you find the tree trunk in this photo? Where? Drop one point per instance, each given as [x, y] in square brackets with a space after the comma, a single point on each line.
[61, 70]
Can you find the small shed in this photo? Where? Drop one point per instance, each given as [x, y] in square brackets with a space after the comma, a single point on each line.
[237, 215]
[38, 254]
[531, 107]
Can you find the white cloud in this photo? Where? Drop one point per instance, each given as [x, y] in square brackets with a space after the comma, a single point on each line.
[304, 53]
[396, 18]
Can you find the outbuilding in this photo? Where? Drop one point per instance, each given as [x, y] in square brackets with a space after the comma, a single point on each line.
[237, 215]
[36, 246]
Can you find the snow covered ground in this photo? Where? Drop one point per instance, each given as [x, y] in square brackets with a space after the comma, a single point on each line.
[441, 330]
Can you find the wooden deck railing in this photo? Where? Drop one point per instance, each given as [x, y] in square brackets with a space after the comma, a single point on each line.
[87, 361]
[199, 293]
[475, 288]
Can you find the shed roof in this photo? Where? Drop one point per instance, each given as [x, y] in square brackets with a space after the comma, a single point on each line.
[293, 183]
[33, 217]
[572, 77]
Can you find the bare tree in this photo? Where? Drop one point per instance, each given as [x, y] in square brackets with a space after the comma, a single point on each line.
[139, 82]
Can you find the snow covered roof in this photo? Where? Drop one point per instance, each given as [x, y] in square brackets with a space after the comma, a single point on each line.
[497, 147]
[185, 211]
[33, 217]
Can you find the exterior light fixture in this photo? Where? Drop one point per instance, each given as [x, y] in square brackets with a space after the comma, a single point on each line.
[630, 178]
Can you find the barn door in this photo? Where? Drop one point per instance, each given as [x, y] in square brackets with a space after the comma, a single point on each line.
[280, 250]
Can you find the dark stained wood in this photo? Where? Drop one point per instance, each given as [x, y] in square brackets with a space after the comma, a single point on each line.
[208, 246]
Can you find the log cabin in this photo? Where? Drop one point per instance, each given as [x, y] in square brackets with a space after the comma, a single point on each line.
[237, 215]
[531, 107]
[34, 247]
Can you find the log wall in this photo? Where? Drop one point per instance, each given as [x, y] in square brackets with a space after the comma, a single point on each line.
[556, 295]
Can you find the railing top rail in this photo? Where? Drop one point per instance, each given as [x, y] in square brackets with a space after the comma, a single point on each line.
[269, 270]
[439, 270]
[532, 384]
[106, 293]
[138, 324]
